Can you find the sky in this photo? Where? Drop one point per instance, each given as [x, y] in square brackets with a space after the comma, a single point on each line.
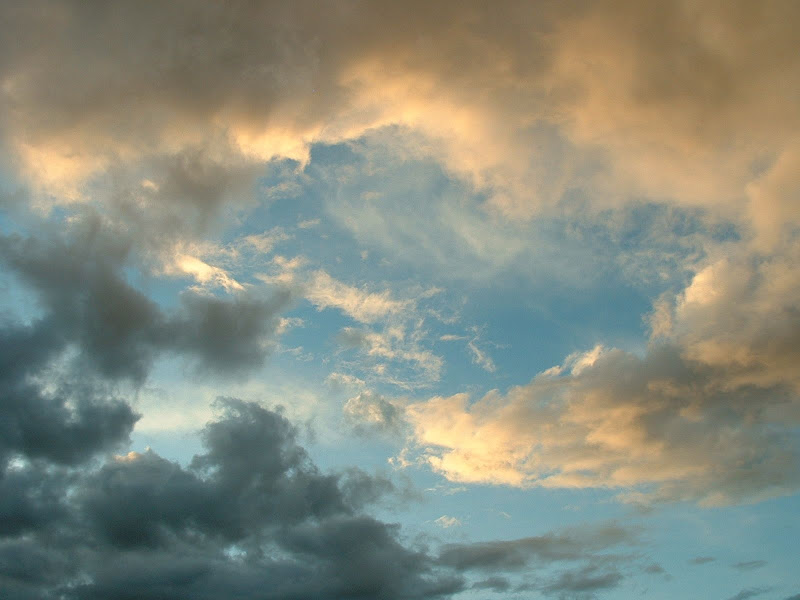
[399, 300]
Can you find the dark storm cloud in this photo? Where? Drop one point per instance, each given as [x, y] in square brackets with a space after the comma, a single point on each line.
[252, 516]
[64, 422]
[117, 330]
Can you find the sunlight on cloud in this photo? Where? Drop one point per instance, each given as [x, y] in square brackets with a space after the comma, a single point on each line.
[392, 218]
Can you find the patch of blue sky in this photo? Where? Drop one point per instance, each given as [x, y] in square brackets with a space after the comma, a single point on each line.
[527, 294]
[722, 538]
[572, 287]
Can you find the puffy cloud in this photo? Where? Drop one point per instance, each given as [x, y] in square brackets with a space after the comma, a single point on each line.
[79, 279]
[250, 515]
[669, 427]
[54, 418]
[526, 102]
[707, 412]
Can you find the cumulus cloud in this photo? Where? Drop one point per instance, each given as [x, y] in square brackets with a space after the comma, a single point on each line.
[79, 280]
[250, 513]
[638, 99]
[667, 426]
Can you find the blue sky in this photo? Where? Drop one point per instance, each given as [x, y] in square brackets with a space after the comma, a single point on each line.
[368, 300]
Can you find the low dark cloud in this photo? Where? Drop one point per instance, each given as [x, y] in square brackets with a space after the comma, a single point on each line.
[251, 513]
[61, 420]
[117, 330]
[250, 517]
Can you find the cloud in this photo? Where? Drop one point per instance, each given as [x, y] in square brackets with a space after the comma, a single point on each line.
[583, 582]
[61, 419]
[749, 565]
[651, 112]
[747, 593]
[669, 427]
[446, 522]
[701, 560]
[250, 513]
[370, 411]
[206, 274]
[516, 555]
[495, 584]
[118, 331]
[323, 291]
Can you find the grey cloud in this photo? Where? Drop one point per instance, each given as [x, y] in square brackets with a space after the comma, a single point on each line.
[517, 554]
[174, 197]
[747, 593]
[654, 569]
[117, 329]
[253, 476]
[64, 424]
[252, 516]
[582, 583]
[749, 565]
[270, 77]
[701, 560]
[495, 584]
[227, 336]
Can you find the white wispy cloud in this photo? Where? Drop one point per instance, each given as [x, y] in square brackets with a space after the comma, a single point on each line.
[445, 522]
